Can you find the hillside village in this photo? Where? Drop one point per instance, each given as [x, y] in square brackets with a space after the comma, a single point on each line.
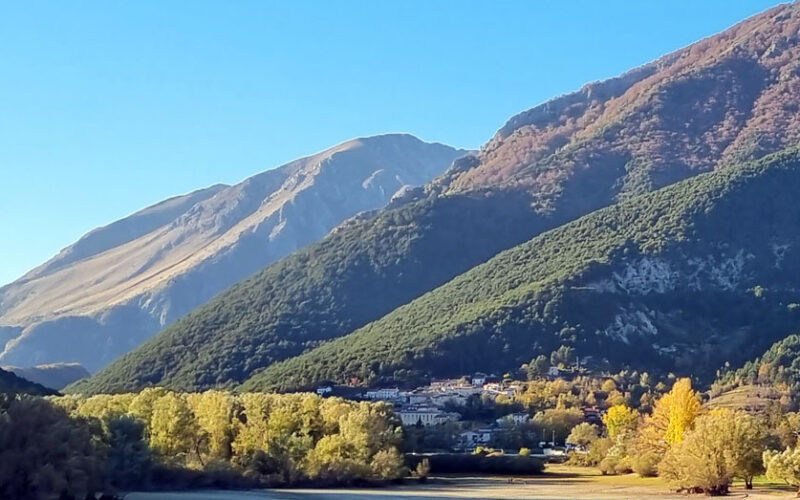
[448, 406]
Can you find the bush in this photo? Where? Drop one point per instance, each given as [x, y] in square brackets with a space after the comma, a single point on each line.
[645, 465]
[423, 469]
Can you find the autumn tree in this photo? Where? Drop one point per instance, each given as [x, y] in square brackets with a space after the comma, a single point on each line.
[173, 429]
[673, 415]
[723, 445]
[784, 466]
[619, 419]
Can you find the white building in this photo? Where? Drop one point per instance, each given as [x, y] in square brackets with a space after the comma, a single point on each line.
[388, 394]
[325, 389]
[476, 437]
[479, 379]
[425, 416]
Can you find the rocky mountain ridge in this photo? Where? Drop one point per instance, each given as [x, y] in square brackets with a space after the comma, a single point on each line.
[120, 284]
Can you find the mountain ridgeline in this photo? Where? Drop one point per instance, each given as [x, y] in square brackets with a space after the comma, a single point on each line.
[120, 284]
[683, 279]
[711, 107]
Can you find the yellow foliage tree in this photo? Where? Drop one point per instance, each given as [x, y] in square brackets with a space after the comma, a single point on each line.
[672, 416]
[620, 418]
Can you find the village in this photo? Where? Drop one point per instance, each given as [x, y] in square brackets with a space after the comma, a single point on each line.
[449, 404]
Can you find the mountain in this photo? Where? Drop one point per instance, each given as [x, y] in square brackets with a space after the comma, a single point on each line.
[727, 99]
[55, 376]
[120, 284]
[12, 384]
[682, 279]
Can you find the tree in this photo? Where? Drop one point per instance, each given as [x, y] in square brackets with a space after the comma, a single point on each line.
[784, 466]
[44, 453]
[557, 421]
[583, 435]
[538, 367]
[723, 445]
[388, 464]
[619, 419]
[683, 410]
[423, 469]
[608, 386]
[173, 430]
[213, 411]
[128, 457]
[564, 356]
[672, 416]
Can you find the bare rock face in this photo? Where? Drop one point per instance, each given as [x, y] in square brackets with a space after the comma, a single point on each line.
[120, 284]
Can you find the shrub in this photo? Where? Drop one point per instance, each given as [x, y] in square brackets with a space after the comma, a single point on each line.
[645, 465]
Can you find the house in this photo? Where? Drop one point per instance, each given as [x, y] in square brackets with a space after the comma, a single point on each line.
[475, 437]
[442, 399]
[425, 416]
[325, 389]
[444, 384]
[592, 415]
[519, 418]
[383, 394]
[479, 379]
[553, 371]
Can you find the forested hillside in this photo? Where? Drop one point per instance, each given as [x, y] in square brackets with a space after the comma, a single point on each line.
[778, 366]
[12, 384]
[727, 99]
[680, 279]
[355, 275]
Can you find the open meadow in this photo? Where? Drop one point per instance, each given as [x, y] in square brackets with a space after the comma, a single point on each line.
[559, 482]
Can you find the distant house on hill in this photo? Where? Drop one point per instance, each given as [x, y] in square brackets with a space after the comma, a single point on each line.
[479, 379]
[386, 394]
[425, 416]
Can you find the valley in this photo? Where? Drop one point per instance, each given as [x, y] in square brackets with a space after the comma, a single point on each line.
[601, 301]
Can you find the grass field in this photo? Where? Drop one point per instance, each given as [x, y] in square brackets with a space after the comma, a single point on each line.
[559, 482]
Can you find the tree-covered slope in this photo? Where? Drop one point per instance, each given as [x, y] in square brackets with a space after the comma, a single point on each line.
[355, 275]
[779, 365]
[12, 384]
[684, 278]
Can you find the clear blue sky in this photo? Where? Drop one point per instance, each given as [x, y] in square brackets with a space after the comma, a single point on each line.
[109, 106]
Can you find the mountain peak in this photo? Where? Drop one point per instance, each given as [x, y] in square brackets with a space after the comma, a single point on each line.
[121, 283]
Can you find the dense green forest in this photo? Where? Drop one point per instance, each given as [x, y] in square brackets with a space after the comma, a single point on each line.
[778, 367]
[672, 280]
[12, 384]
[355, 275]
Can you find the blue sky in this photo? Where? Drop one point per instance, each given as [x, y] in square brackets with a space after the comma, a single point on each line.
[109, 106]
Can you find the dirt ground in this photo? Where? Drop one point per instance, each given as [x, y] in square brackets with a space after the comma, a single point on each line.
[560, 482]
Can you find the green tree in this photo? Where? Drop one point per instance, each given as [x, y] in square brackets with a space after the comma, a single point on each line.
[583, 435]
[44, 453]
[538, 367]
[563, 357]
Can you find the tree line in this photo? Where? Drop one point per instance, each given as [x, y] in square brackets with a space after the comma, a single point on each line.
[695, 448]
[70, 447]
